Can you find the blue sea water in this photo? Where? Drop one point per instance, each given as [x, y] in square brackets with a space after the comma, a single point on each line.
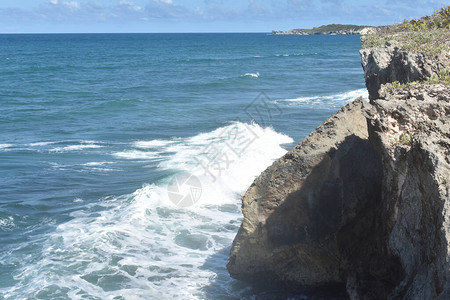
[94, 128]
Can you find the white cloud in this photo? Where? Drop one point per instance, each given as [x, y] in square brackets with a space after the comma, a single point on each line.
[72, 4]
[68, 4]
[130, 5]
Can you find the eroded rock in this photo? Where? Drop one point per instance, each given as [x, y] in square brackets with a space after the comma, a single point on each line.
[389, 63]
[295, 209]
[365, 207]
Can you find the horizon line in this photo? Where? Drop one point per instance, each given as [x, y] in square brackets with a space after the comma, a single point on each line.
[131, 32]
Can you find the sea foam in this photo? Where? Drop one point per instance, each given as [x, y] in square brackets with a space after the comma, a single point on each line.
[152, 144]
[336, 99]
[138, 155]
[4, 146]
[253, 75]
[142, 244]
[78, 146]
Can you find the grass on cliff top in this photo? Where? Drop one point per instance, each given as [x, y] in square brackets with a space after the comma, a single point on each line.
[429, 34]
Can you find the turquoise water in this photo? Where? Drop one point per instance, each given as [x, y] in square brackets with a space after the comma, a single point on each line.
[94, 128]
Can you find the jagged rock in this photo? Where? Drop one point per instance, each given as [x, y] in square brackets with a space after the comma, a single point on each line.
[301, 208]
[413, 139]
[414, 91]
[389, 63]
[364, 207]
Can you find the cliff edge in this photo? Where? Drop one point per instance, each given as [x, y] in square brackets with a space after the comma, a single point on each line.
[363, 203]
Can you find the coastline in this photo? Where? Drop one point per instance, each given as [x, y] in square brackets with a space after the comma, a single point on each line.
[332, 29]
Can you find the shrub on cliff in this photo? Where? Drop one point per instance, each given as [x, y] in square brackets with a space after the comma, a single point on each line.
[429, 34]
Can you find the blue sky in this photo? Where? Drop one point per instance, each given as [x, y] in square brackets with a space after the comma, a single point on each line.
[43, 16]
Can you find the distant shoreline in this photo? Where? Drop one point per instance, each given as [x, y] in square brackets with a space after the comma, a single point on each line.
[332, 29]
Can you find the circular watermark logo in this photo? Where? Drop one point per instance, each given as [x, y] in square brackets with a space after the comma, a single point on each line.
[184, 190]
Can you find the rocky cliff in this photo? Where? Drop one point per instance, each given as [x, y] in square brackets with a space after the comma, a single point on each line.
[391, 63]
[411, 132]
[363, 203]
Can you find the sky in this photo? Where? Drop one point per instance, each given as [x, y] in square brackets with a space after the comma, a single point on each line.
[98, 16]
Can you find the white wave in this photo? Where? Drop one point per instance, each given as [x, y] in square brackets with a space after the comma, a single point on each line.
[41, 144]
[141, 245]
[287, 55]
[97, 163]
[138, 155]
[152, 144]
[4, 146]
[7, 224]
[55, 165]
[98, 167]
[145, 150]
[242, 152]
[253, 75]
[340, 98]
[104, 170]
[83, 145]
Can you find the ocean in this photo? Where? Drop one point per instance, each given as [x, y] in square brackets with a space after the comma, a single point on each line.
[123, 157]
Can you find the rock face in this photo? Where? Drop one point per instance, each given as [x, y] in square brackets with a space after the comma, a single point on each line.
[363, 202]
[390, 63]
[293, 211]
[413, 138]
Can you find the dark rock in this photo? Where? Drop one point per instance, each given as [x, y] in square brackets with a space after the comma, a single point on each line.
[294, 211]
[390, 63]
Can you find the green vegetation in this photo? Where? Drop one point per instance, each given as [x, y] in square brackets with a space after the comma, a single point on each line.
[390, 87]
[442, 78]
[396, 84]
[405, 138]
[333, 28]
[325, 29]
[440, 19]
[430, 34]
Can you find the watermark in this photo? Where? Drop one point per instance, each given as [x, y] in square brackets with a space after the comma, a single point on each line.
[263, 110]
[184, 190]
[228, 147]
